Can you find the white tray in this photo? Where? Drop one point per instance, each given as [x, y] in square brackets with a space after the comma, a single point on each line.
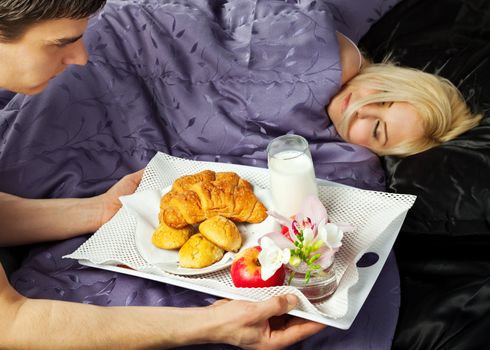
[378, 217]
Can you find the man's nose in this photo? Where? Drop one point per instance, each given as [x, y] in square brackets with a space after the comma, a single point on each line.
[76, 55]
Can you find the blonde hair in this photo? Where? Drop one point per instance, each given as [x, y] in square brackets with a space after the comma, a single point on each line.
[441, 106]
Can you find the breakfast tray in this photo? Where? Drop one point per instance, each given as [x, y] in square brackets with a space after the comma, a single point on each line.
[376, 216]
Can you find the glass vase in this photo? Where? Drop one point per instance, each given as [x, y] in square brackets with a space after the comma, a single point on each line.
[321, 285]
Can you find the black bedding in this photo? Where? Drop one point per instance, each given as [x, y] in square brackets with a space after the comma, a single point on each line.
[442, 249]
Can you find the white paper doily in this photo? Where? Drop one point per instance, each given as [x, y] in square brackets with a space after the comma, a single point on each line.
[377, 217]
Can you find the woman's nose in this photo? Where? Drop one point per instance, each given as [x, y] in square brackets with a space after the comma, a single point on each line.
[77, 54]
[373, 110]
[367, 111]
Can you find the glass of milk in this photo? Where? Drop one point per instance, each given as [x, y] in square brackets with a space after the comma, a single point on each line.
[292, 176]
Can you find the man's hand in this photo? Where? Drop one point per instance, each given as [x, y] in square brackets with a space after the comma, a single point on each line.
[110, 200]
[262, 325]
[36, 220]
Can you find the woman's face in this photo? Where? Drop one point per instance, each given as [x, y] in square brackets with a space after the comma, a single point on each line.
[377, 126]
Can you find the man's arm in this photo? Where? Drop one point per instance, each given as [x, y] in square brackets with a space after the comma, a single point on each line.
[34, 220]
[48, 324]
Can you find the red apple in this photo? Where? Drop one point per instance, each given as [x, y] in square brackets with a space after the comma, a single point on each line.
[246, 269]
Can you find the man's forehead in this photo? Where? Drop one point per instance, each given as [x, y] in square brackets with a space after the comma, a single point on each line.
[56, 29]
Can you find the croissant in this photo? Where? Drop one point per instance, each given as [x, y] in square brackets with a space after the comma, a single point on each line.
[177, 209]
[184, 182]
[200, 196]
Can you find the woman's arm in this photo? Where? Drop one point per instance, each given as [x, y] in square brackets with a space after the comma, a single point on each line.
[35, 220]
[47, 324]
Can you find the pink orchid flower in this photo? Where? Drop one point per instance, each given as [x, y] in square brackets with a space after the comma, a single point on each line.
[312, 230]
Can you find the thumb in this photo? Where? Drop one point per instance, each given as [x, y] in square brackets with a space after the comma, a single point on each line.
[137, 175]
[279, 305]
[292, 301]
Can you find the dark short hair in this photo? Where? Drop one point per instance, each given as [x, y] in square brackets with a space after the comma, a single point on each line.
[16, 16]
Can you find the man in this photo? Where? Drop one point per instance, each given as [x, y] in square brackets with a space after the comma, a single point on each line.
[38, 39]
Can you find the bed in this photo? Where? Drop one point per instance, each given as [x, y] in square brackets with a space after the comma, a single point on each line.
[85, 151]
[208, 83]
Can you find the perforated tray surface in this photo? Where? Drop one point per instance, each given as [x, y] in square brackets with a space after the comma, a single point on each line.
[377, 217]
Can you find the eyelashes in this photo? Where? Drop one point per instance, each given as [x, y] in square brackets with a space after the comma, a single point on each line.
[378, 122]
[376, 129]
[384, 103]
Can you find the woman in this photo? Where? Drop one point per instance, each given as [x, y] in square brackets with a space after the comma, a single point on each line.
[399, 111]
[395, 110]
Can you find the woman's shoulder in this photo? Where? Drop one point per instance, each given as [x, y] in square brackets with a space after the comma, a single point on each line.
[351, 58]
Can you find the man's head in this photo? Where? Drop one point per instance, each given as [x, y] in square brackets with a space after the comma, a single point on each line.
[39, 38]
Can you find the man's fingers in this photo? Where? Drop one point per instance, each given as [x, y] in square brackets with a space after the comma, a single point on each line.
[295, 330]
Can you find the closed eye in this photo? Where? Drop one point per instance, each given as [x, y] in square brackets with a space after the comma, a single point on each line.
[376, 129]
[386, 103]
[66, 41]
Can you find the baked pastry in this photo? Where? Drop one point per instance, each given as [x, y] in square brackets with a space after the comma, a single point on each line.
[167, 237]
[196, 198]
[222, 232]
[179, 209]
[183, 182]
[198, 252]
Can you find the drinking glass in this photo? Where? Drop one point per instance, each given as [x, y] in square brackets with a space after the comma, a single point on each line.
[292, 176]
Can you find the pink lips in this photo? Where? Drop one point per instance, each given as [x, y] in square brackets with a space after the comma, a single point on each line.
[345, 103]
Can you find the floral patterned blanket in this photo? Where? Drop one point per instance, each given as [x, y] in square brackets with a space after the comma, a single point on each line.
[204, 80]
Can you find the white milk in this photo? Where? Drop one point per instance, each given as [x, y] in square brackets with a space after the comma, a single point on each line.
[292, 178]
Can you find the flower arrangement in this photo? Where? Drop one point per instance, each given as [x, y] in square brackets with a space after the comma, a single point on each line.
[307, 242]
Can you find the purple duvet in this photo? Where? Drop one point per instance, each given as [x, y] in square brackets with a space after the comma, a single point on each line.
[204, 80]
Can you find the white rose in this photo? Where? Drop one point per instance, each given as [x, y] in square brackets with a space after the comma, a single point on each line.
[271, 257]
